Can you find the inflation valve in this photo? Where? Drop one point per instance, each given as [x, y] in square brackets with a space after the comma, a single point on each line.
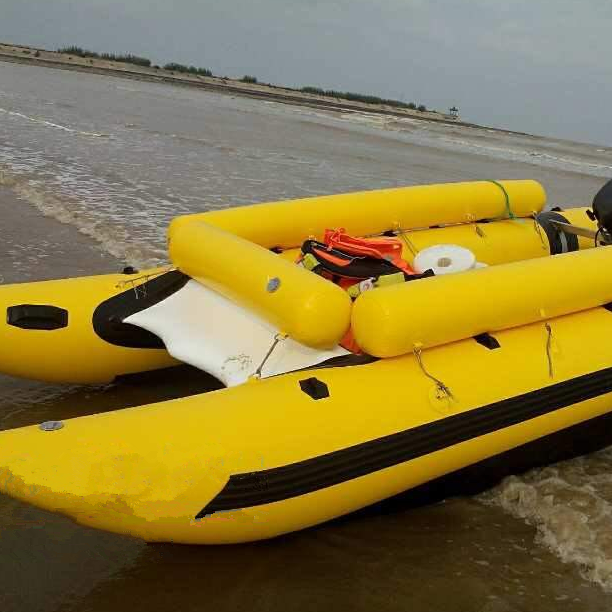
[51, 426]
[273, 284]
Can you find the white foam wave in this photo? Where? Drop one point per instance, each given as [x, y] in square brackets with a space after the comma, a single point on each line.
[570, 504]
[515, 153]
[56, 126]
[429, 133]
[114, 239]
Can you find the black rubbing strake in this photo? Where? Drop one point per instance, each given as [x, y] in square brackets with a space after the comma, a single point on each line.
[276, 484]
[108, 317]
[580, 439]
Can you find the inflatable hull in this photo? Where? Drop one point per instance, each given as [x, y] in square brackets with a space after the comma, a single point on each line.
[71, 330]
[95, 346]
[273, 456]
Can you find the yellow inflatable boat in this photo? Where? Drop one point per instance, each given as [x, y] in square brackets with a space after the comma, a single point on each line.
[485, 371]
[75, 330]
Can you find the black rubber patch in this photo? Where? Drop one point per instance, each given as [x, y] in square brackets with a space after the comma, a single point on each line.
[284, 482]
[314, 387]
[36, 316]
[488, 341]
[108, 317]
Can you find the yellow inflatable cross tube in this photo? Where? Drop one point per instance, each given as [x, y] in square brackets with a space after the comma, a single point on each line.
[398, 319]
[305, 306]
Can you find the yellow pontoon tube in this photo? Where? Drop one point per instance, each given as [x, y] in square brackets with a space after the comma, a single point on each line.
[430, 312]
[71, 330]
[276, 455]
[498, 242]
[286, 224]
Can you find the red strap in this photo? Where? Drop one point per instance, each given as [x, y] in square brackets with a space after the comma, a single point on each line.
[339, 261]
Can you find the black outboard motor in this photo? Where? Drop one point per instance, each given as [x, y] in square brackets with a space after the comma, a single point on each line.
[602, 208]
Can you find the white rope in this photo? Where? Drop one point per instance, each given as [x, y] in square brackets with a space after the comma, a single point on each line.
[141, 289]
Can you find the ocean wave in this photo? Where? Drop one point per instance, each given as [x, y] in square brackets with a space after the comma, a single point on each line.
[464, 140]
[570, 505]
[56, 126]
[513, 153]
[114, 239]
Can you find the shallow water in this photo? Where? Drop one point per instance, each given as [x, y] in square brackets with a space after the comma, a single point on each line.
[118, 159]
[91, 170]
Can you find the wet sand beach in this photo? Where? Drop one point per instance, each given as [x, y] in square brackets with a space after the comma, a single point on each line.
[90, 173]
[35, 247]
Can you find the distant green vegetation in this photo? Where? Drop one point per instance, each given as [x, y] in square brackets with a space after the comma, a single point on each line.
[174, 67]
[247, 78]
[127, 58]
[357, 97]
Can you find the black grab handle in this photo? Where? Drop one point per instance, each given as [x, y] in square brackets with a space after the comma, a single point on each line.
[36, 316]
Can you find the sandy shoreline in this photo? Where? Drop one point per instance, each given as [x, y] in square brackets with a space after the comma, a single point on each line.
[39, 248]
[52, 59]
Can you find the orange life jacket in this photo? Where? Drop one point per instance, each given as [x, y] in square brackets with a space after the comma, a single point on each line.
[379, 247]
[345, 259]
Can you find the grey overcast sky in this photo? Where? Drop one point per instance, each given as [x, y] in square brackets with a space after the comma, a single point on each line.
[541, 66]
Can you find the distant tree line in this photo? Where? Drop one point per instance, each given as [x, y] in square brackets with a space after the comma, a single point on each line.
[357, 97]
[182, 68]
[174, 67]
[127, 58]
